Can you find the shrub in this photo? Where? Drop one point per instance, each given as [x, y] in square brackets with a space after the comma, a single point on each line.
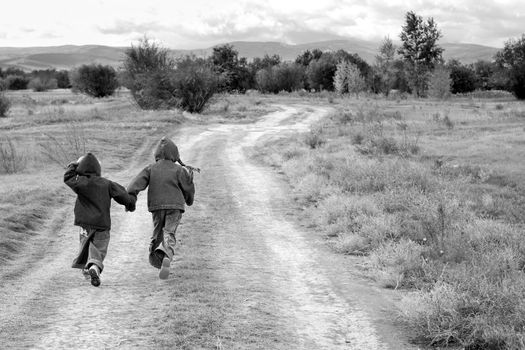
[282, 77]
[463, 79]
[194, 82]
[5, 104]
[42, 84]
[147, 68]
[95, 80]
[314, 139]
[10, 158]
[62, 78]
[62, 150]
[16, 82]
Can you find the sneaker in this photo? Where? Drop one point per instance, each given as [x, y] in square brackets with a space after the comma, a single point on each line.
[85, 273]
[165, 268]
[95, 275]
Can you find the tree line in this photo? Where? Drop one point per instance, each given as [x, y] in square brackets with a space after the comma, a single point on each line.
[157, 80]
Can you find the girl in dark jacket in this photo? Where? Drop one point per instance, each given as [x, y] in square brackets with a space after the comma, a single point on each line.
[92, 212]
[170, 188]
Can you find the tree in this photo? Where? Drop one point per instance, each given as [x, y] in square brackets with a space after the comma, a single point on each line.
[420, 50]
[348, 78]
[320, 73]
[512, 59]
[95, 80]
[385, 65]
[147, 67]
[308, 56]
[234, 71]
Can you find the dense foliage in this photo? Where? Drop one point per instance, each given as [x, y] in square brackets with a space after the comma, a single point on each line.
[512, 60]
[95, 80]
[419, 50]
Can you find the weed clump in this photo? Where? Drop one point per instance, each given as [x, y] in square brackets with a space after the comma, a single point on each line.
[5, 105]
[11, 159]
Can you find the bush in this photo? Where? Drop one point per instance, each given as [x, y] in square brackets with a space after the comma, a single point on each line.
[463, 79]
[193, 82]
[42, 84]
[10, 159]
[5, 104]
[62, 78]
[282, 77]
[95, 80]
[147, 70]
[16, 82]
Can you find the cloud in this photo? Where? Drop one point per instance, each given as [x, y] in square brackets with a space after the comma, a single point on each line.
[203, 23]
[123, 27]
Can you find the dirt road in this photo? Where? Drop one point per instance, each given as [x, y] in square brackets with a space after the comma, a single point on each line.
[247, 274]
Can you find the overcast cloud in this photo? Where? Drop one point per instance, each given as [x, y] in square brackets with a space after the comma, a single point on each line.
[204, 23]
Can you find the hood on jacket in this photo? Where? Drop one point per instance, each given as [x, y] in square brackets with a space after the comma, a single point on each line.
[89, 165]
[167, 150]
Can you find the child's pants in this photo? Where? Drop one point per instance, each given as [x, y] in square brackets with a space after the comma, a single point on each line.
[93, 248]
[165, 223]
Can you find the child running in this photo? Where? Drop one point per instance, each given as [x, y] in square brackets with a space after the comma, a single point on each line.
[170, 187]
[92, 212]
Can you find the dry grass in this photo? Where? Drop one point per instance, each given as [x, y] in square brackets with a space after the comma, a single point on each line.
[434, 193]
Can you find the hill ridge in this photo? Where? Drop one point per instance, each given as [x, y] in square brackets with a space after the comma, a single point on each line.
[69, 56]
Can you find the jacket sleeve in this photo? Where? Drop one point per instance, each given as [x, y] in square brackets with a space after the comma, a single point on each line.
[72, 179]
[120, 195]
[187, 186]
[140, 182]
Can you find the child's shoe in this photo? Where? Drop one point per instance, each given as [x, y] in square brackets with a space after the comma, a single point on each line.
[94, 272]
[165, 268]
[85, 273]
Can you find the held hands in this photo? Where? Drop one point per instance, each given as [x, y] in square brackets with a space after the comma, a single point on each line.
[130, 207]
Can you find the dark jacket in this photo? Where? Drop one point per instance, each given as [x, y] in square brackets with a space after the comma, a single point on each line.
[94, 193]
[170, 186]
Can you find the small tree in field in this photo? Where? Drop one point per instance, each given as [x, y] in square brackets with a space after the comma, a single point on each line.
[385, 65]
[420, 50]
[348, 78]
[95, 80]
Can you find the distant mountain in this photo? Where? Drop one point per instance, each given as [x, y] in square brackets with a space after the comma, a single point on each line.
[70, 56]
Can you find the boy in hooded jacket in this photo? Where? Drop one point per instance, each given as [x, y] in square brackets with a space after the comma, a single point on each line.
[170, 188]
[92, 212]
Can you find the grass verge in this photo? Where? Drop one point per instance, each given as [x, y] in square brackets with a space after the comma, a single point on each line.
[405, 187]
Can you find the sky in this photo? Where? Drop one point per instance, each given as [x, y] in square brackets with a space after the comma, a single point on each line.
[193, 24]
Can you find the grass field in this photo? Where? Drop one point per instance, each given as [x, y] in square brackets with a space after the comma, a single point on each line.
[433, 193]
